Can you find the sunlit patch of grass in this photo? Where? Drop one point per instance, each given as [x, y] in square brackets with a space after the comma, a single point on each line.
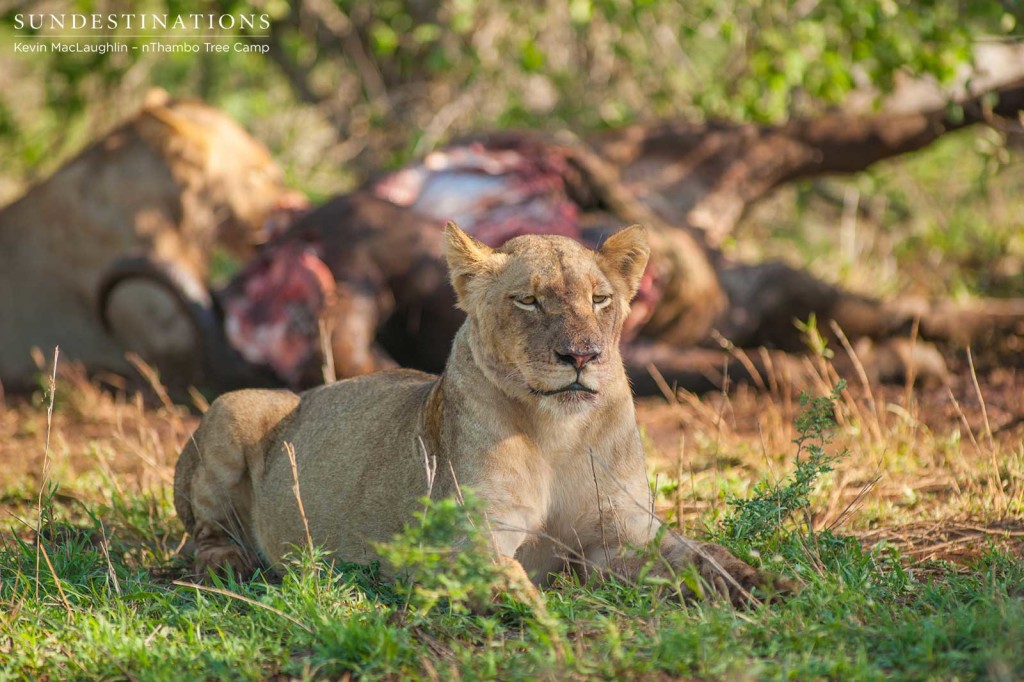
[862, 614]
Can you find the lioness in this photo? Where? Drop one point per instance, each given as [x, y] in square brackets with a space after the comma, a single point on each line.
[533, 412]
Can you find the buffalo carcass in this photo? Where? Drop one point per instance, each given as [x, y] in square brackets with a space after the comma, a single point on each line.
[363, 276]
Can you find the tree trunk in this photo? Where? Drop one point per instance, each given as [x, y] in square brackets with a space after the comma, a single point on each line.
[705, 176]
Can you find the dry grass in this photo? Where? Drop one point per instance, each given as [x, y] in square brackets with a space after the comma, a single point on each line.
[101, 444]
[937, 471]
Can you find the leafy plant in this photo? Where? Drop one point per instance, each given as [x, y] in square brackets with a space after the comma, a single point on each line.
[444, 556]
[772, 505]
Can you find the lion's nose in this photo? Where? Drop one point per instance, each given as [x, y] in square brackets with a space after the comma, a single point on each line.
[578, 358]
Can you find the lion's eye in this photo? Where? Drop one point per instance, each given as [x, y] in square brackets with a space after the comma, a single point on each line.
[601, 300]
[526, 302]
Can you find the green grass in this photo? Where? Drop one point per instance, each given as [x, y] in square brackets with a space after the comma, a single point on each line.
[861, 616]
[115, 605]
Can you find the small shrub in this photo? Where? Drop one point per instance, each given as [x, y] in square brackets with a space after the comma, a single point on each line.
[445, 556]
[772, 505]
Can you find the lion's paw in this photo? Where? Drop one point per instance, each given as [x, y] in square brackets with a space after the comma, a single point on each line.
[224, 559]
[738, 581]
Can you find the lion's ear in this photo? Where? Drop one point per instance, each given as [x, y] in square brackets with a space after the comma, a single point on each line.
[625, 254]
[156, 97]
[466, 258]
[176, 136]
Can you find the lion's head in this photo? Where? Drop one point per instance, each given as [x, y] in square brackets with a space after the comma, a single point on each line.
[235, 188]
[546, 313]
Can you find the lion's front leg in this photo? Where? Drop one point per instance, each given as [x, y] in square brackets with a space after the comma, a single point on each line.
[621, 538]
[724, 573]
[506, 530]
[671, 556]
[514, 580]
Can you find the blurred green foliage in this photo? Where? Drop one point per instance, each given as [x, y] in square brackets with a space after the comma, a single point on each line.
[394, 77]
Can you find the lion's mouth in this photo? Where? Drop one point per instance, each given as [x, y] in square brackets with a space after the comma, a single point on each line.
[574, 387]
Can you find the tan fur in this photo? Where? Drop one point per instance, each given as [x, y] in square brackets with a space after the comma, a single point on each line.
[171, 183]
[562, 475]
